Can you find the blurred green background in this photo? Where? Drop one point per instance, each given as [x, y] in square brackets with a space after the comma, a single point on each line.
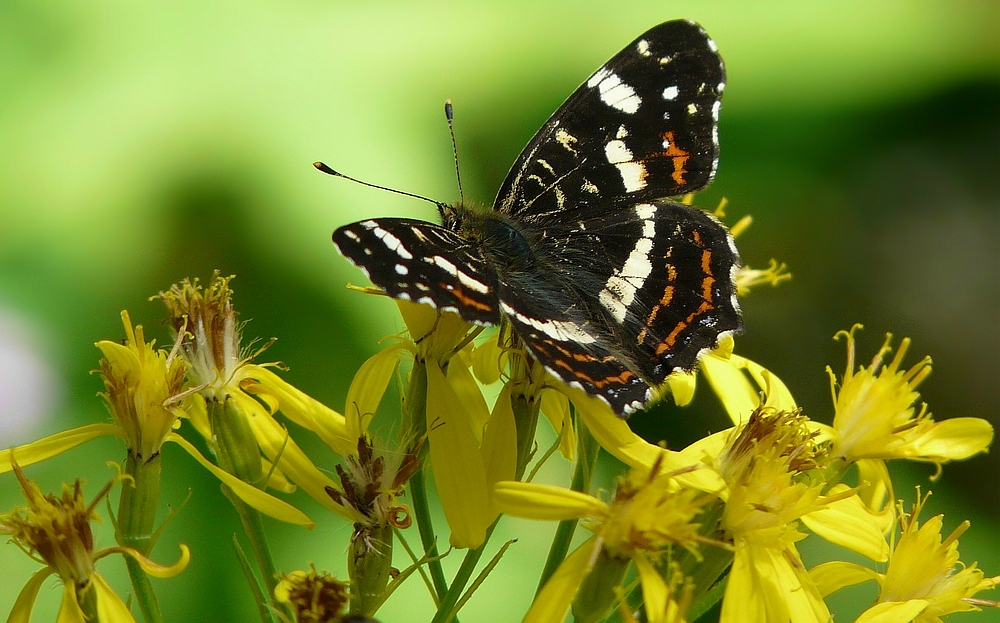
[147, 142]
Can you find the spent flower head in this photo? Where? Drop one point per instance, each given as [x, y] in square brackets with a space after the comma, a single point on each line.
[55, 531]
[313, 597]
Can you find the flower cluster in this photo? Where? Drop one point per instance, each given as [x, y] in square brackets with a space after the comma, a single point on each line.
[681, 531]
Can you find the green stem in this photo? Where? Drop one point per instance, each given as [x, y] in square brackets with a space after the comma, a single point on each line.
[136, 520]
[415, 425]
[446, 611]
[238, 453]
[369, 567]
[586, 456]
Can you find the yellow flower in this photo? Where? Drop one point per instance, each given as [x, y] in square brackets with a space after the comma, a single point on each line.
[56, 531]
[649, 514]
[470, 447]
[876, 416]
[143, 394]
[771, 469]
[237, 398]
[924, 579]
[876, 419]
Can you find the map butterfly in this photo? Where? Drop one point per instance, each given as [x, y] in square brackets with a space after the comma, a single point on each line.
[611, 286]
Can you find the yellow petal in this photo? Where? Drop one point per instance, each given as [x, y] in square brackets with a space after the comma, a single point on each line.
[654, 589]
[893, 612]
[308, 412]
[276, 444]
[470, 397]
[682, 386]
[110, 607]
[198, 415]
[553, 601]
[555, 408]
[731, 385]
[21, 612]
[611, 432]
[50, 446]
[499, 449]
[848, 523]
[876, 492]
[489, 360]
[953, 439]
[277, 480]
[368, 387]
[155, 569]
[830, 577]
[69, 609]
[545, 502]
[265, 503]
[419, 319]
[778, 395]
[743, 600]
[456, 463]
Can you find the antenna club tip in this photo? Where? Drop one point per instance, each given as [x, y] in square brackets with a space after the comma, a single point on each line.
[325, 169]
[448, 112]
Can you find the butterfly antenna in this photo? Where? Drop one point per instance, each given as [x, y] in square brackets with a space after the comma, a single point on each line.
[326, 169]
[450, 115]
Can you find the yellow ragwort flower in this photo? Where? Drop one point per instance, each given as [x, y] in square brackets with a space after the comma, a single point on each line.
[244, 395]
[55, 531]
[771, 469]
[876, 415]
[144, 394]
[650, 513]
[924, 579]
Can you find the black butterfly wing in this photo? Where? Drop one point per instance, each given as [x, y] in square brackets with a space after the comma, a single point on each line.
[625, 298]
[424, 263]
[643, 126]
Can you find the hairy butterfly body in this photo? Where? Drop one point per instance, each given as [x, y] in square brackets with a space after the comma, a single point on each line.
[608, 284]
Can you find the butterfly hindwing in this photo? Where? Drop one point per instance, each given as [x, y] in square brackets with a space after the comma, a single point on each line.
[643, 126]
[425, 263]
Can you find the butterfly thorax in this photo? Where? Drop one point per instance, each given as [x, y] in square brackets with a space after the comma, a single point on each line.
[505, 243]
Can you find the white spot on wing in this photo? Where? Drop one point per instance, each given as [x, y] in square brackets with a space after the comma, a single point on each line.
[633, 175]
[712, 46]
[390, 241]
[616, 151]
[471, 283]
[402, 270]
[562, 330]
[715, 109]
[643, 47]
[671, 93]
[614, 92]
[589, 187]
[619, 291]
[692, 109]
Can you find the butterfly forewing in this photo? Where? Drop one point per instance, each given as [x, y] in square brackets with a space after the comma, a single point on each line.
[425, 263]
[642, 126]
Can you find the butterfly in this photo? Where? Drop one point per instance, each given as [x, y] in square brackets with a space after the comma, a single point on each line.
[610, 285]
